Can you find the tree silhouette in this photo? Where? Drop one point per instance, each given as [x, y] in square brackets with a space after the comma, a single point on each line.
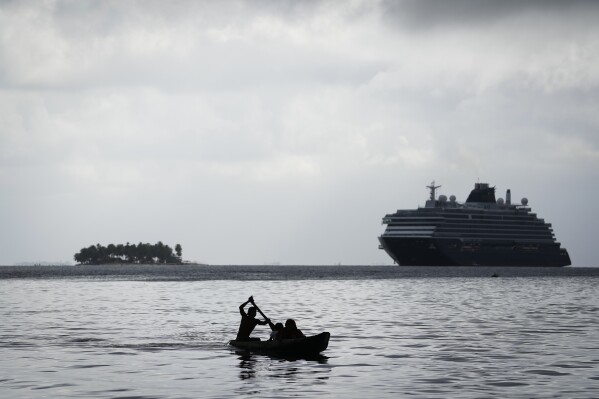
[140, 253]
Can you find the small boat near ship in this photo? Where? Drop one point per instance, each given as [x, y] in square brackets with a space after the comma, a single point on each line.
[299, 347]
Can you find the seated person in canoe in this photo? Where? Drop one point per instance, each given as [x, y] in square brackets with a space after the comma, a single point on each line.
[275, 335]
[290, 331]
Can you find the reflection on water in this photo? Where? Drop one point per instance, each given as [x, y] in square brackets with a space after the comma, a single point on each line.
[418, 337]
[247, 366]
[267, 376]
[285, 368]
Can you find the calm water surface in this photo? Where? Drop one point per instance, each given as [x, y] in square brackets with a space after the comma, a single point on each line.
[397, 336]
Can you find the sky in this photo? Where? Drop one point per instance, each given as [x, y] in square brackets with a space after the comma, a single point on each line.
[281, 132]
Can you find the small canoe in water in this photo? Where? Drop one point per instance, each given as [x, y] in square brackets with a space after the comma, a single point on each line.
[300, 347]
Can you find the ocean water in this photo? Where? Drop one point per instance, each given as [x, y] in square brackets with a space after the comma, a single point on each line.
[162, 332]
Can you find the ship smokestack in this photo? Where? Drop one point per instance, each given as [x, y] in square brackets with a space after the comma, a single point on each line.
[508, 197]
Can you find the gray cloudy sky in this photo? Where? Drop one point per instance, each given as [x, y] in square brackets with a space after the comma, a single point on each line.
[282, 131]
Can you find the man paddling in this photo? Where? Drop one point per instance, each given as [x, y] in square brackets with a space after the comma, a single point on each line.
[249, 321]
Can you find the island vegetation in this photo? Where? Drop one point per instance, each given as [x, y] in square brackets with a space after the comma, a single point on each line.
[130, 253]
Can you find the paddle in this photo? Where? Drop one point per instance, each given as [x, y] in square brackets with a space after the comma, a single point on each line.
[259, 311]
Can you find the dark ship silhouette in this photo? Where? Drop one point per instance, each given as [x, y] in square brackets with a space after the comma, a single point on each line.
[480, 232]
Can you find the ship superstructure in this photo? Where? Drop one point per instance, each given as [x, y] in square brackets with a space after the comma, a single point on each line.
[479, 232]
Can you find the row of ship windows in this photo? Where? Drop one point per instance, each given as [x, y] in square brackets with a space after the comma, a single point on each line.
[476, 247]
[461, 213]
[487, 215]
[488, 242]
[544, 240]
[478, 226]
[465, 222]
[538, 232]
[471, 234]
[449, 220]
[389, 219]
[489, 228]
[446, 230]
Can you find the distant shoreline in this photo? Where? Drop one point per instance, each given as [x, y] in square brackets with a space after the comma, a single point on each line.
[59, 264]
[201, 272]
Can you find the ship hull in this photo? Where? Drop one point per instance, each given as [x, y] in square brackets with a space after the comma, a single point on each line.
[408, 251]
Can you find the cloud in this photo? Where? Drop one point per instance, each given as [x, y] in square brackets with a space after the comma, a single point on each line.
[185, 46]
[237, 112]
[422, 15]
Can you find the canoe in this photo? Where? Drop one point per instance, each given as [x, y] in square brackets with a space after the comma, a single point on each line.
[300, 347]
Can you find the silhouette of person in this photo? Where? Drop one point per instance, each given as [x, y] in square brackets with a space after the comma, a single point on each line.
[275, 335]
[248, 322]
[291, 331]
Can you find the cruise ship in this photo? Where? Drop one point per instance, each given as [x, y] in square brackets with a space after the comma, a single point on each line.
[482, 231]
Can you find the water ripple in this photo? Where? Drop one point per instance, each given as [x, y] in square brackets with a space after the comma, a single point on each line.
[458, 337]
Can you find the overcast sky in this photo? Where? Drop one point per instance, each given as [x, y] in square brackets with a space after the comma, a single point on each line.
[265, 132]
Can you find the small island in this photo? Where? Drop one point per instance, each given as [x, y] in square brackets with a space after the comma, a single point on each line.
[130, 253]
